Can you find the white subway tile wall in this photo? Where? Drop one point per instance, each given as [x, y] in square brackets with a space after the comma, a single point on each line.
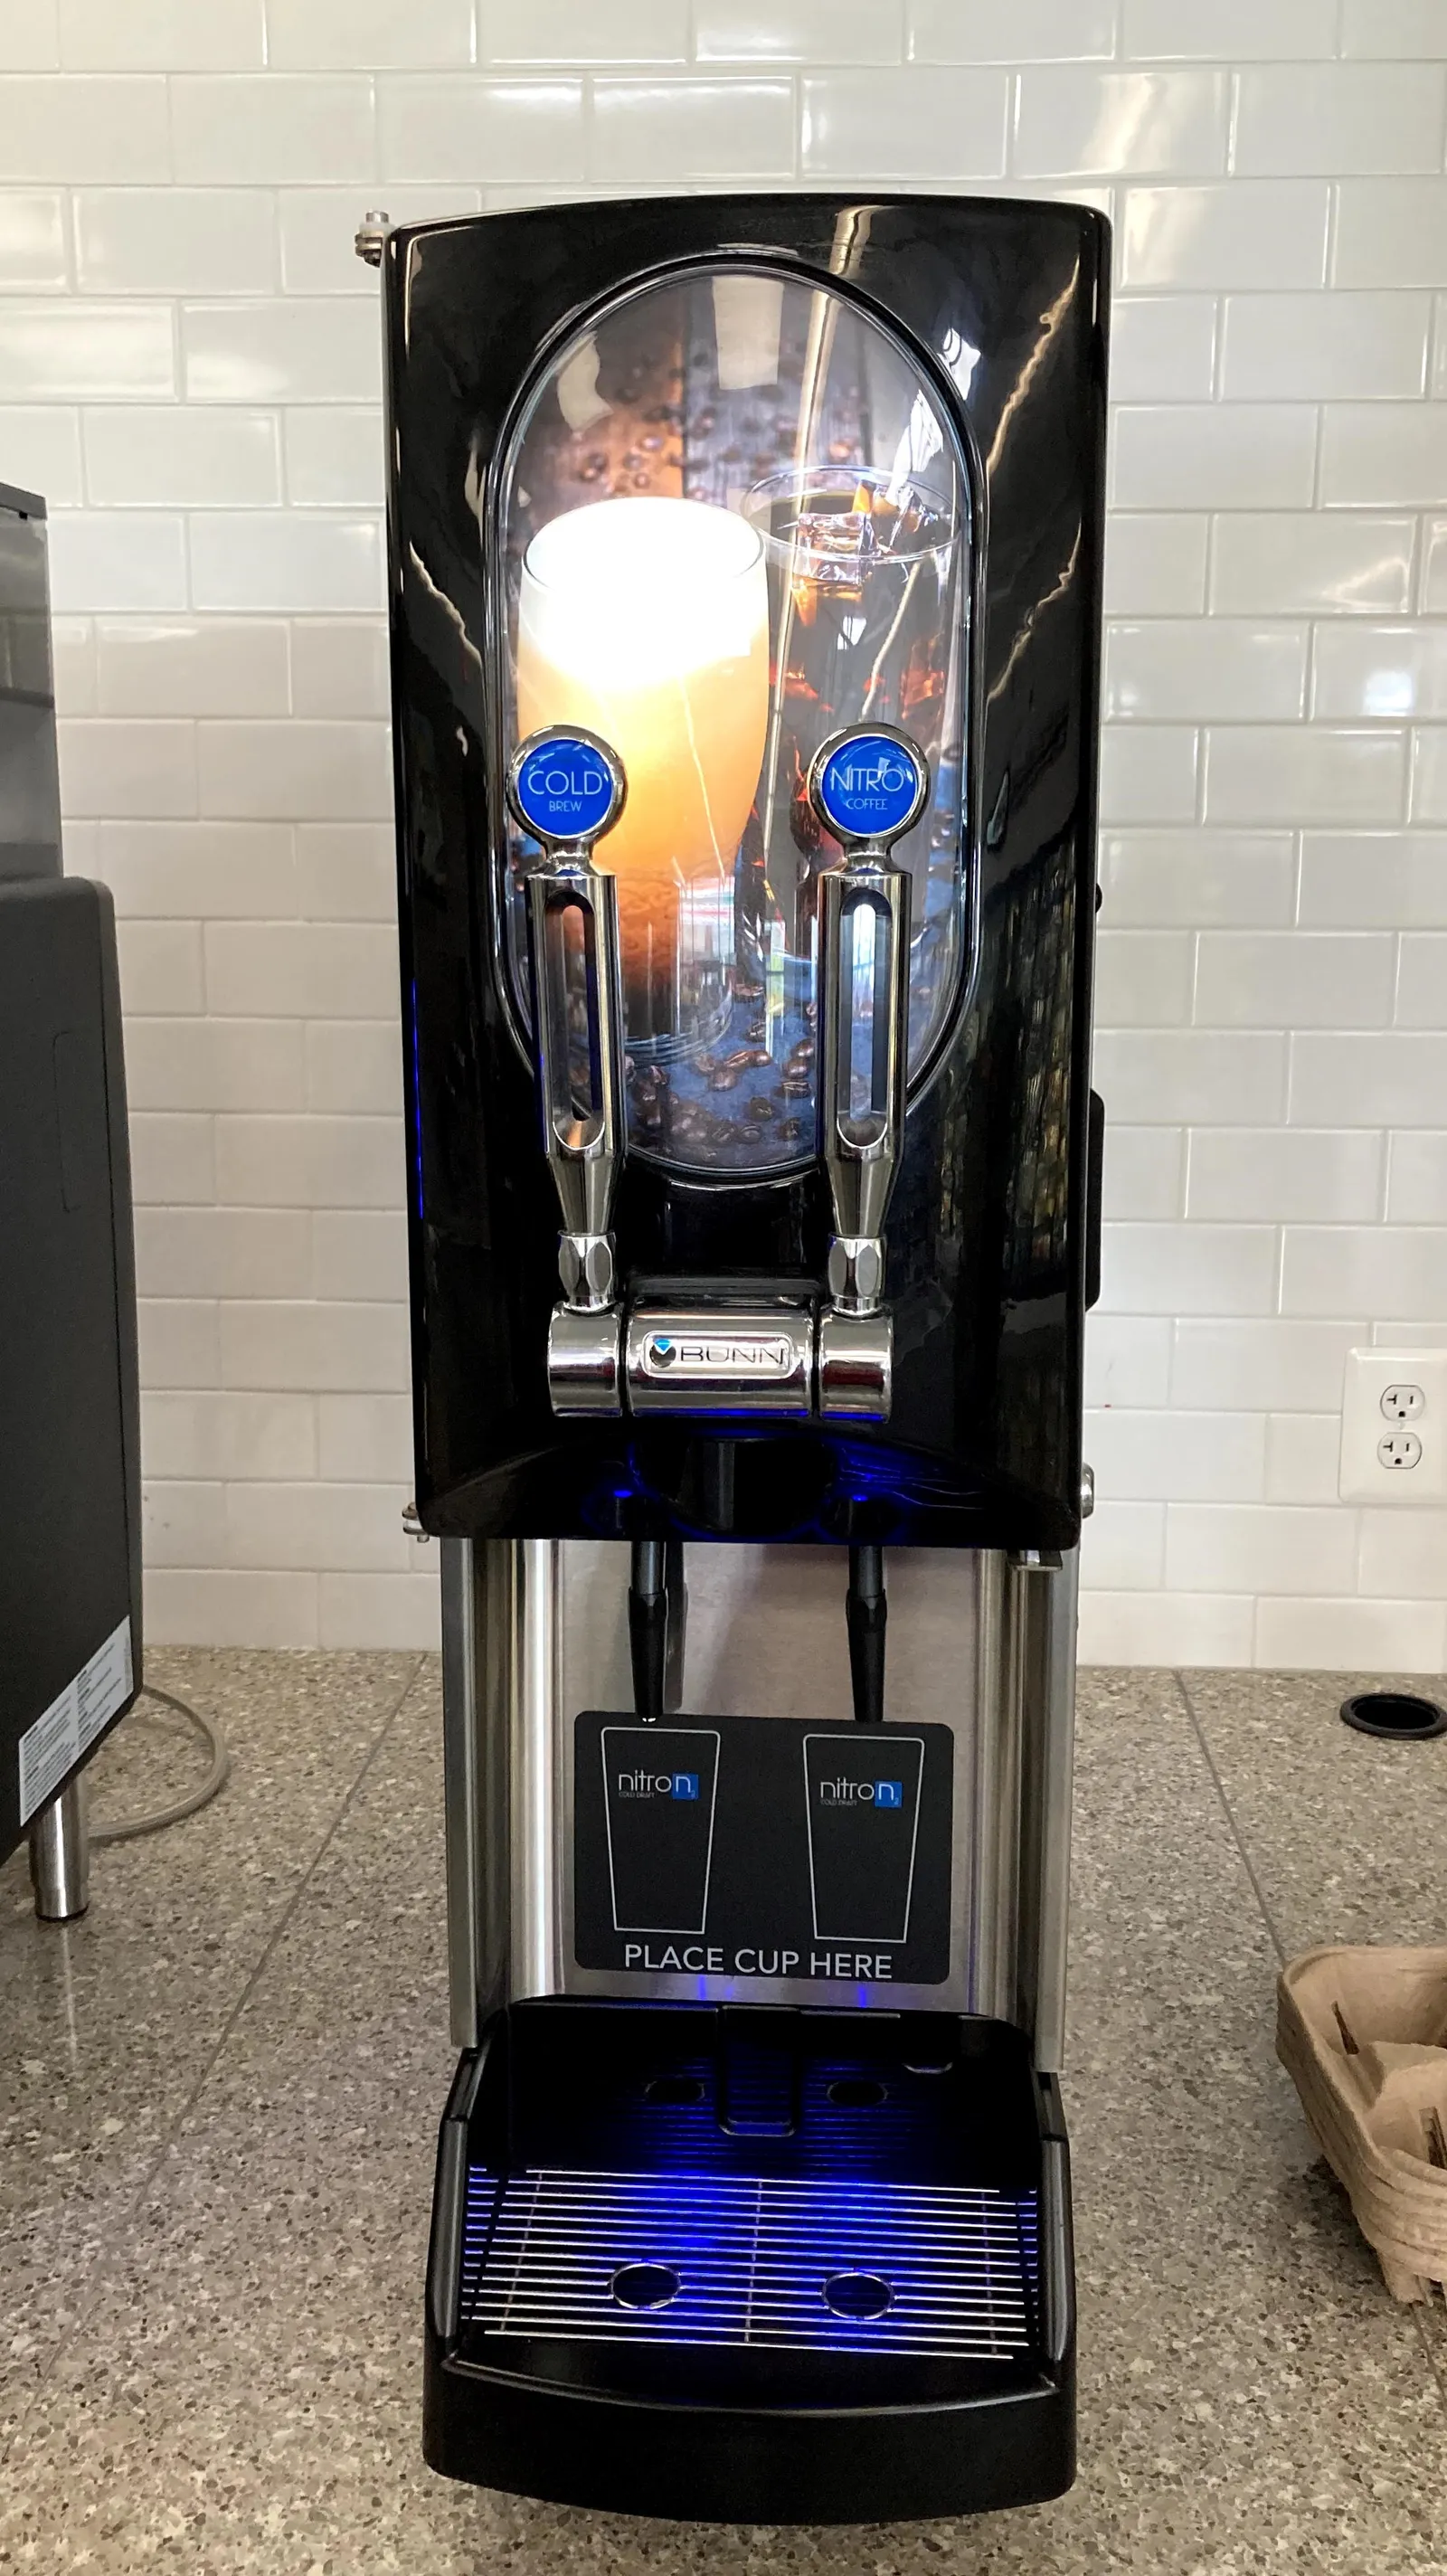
[189, 361]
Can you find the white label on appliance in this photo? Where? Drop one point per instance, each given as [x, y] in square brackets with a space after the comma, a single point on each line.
[69, 1727]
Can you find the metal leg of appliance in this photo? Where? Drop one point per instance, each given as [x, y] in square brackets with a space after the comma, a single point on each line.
[60, 1855]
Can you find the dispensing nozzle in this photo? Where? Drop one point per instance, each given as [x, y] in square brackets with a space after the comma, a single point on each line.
[567, 788]
[867, 786]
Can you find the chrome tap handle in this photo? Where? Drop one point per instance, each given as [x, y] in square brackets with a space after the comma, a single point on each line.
[567, 788]
[867, 787]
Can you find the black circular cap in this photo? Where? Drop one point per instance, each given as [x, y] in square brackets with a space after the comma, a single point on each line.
[857, 2294]
[645, 2285]
[1398, 1715]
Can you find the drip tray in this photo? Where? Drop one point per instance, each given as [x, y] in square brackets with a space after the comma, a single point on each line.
[767, 2266]
[752, 2264]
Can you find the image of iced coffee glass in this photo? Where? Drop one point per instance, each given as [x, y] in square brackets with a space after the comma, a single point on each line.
[646, 620]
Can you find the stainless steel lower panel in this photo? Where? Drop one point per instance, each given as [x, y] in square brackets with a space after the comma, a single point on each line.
[546, 1636]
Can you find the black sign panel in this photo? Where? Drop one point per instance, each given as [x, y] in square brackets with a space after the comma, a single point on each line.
[763, 1847]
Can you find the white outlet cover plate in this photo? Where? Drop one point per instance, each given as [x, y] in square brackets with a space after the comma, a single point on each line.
[1363, 1477]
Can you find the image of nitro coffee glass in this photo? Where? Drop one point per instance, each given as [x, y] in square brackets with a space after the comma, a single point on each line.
[862, 1792]
[862, 572]
[659, 1789]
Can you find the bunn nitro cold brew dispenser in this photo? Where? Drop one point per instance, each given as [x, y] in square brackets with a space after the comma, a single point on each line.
[745, 585]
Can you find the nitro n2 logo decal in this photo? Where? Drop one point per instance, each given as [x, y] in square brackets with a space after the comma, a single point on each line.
[659, 1787]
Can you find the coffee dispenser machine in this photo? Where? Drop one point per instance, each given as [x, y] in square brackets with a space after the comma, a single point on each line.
[745, 588]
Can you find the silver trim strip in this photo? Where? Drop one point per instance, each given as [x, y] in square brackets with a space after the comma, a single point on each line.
[1046, 1854]
[466, 1972]
[536, 1927]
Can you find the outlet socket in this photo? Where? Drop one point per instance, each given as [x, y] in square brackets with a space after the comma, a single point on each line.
[1399, 1449]
[1394, 1428]
[1402, 1401]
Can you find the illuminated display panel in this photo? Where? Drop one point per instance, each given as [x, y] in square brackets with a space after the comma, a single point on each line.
[733, 521]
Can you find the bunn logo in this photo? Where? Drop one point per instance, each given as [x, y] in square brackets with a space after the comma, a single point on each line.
[658, 1784]
[861, 1793]
[719, 1354]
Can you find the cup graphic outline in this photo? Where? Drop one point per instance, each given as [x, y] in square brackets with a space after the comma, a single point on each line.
[888, 1752]
[647, 1738]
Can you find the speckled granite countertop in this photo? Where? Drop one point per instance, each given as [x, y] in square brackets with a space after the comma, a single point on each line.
[217, 2116]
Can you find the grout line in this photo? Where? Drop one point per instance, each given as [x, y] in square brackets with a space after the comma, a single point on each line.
[129, 2202]
[1228, 1811]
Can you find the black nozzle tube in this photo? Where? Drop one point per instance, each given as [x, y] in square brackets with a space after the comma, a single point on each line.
[648, 1626]
[675, 1591]
[867, 1612]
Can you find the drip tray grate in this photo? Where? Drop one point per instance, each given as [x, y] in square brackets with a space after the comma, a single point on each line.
[778, 2265]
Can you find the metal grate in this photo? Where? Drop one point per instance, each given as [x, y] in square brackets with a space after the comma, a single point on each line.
[777, 2265]
[482, 2198]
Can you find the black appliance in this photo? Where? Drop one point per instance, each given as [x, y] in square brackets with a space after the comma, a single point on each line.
[70, 1519]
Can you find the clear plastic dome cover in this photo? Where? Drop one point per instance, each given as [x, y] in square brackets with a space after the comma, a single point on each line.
[734, 520]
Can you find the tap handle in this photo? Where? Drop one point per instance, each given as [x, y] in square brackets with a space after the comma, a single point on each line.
[867, 786]
[567, 788]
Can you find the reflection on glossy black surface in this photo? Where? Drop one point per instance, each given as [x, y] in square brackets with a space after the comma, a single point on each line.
[1003, 306]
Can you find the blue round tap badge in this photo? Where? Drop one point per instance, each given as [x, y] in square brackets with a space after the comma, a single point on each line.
[869, 784]
[565, 786]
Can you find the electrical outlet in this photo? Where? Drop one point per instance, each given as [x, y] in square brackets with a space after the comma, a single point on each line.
[1394, 1428]
[1402, 1402]
[1399, 1449]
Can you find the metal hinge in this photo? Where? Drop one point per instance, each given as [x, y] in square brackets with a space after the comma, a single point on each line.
[371, 238]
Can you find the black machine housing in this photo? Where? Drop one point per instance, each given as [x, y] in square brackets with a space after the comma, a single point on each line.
[994, 1210]
[70, 1502]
